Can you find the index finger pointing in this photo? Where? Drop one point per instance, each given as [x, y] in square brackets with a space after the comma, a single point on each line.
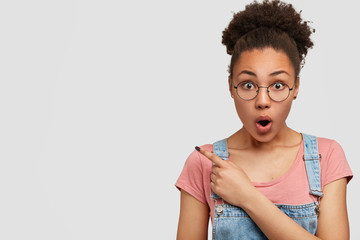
[211, 156]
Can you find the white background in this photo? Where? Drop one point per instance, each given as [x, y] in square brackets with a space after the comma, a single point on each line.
[101, 102]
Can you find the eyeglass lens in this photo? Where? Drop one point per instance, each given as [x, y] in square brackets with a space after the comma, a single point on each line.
[277, 91]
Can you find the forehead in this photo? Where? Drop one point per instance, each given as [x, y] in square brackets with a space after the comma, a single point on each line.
[263, 62]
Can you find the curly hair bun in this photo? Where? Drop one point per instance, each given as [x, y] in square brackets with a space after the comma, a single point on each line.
[273, 15]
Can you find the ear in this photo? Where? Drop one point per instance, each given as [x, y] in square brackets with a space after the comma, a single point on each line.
[296, 87]
[231, 87]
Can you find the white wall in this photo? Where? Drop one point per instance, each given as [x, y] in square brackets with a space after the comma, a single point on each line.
[102, 101]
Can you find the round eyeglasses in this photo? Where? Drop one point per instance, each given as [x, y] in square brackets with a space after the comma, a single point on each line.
[277, 91]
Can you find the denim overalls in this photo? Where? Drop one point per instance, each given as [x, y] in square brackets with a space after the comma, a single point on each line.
[231, 222]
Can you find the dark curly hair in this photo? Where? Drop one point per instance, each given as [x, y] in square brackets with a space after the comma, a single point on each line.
[268, 24]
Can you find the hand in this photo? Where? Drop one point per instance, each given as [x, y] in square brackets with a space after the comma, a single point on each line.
[228, 180]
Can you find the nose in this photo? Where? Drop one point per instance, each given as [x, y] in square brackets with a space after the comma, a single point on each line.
[262, 100]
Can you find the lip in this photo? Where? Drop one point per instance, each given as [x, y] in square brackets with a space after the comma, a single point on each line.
[263, 129]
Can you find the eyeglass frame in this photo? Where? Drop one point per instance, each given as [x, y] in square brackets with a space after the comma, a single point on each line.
[267, 90]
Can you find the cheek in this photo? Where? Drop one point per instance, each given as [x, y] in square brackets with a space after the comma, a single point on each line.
[243, 110]
[284, 110]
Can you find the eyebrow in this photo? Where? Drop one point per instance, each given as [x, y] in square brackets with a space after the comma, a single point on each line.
[247, 72]
[271, 74]
[278, 73]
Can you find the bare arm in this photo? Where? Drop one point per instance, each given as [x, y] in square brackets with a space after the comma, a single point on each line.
[194, 218]
[333, 220]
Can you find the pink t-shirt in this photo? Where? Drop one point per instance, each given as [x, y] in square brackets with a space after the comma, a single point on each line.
[291, 188]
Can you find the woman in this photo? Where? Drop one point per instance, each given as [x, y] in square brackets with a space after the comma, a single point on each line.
[266, 181]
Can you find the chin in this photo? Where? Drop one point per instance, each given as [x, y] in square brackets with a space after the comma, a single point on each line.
[263, 138]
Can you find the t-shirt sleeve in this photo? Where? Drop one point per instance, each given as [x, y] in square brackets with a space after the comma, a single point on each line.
[191, 177]
[336, 165]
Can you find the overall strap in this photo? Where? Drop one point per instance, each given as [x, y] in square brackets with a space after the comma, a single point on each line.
[312, 164]
[221, 150]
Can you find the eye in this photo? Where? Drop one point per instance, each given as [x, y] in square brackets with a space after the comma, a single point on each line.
[248, 85]
[278, 86]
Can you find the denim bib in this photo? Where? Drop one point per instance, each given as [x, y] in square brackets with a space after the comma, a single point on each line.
[231, 222]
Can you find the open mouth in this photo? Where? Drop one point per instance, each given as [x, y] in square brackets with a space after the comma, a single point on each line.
[264, 123]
